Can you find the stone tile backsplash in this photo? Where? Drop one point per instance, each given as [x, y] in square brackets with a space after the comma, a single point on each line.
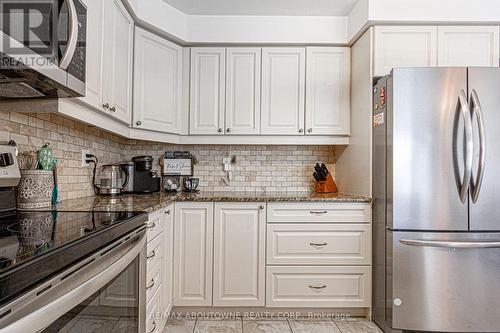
[257, 168]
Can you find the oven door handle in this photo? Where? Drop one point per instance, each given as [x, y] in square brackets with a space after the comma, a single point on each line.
[42, 317]
[73, 36]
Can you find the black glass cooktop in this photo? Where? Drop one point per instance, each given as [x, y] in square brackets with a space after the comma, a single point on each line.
[36, 245]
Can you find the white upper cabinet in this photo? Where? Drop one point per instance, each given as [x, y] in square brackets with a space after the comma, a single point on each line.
[327, 91]
[468, 46]
[118, 56]
[404, 46]
[157, 83]
[283, 81]
[93, 58]
[243, 91]
[207, 98]
[239, 254]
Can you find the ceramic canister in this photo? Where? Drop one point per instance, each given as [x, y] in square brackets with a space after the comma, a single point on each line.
[35, 189]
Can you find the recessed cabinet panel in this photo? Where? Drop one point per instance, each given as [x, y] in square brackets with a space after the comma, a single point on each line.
[118, 50]
[243, 90]
[239, 254]
[461, 46]
[283, 84]
[404, 46]
[193, 248]
[327, 91]
[157, 83]
[207, 97]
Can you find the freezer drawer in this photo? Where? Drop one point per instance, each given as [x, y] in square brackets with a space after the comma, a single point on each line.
[446, 282]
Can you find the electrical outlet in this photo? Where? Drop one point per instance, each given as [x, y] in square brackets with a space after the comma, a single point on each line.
[84, 154]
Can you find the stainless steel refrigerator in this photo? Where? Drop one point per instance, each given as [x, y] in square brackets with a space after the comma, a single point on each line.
[436, 210]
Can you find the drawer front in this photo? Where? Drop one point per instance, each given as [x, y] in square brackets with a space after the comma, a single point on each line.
[154, 251]
[153, 313]
[155, 224]
[318, 212]
[153, 281]
[318, 244]
[303, 286]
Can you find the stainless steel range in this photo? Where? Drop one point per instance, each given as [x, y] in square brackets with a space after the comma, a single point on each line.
[436, 200]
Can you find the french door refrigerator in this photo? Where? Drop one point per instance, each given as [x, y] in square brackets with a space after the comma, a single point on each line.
[436, 189]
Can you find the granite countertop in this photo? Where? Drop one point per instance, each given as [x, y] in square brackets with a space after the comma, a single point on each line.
[155, 201]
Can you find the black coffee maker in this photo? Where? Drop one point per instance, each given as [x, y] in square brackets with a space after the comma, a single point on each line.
[141, 177]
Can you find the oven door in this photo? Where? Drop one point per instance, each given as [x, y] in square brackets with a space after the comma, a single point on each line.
[104, 293]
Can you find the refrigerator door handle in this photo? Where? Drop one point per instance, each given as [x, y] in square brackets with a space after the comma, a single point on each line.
[477, 113]
[469, 145]
[451, 244]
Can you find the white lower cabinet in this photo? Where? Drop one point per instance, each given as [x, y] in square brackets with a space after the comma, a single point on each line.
[328, 286]
[193, 248]
[239, 254]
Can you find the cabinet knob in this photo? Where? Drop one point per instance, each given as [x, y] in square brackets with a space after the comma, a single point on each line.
[309, 130]
[219, 130]
[106, 105]
[113, 109]
[228, 130]
[138, 123]
[301, 130]
[167, 212]
[261, 207]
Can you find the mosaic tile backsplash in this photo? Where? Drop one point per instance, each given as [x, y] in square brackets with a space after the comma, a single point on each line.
[257, 168]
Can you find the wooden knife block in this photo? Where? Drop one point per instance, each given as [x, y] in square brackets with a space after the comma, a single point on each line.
[327, 186]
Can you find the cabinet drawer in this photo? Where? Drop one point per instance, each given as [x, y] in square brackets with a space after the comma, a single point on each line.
[154, 251]
[153, 313]
[155, 224]
[319, 212]
[153, 281]
[302, 286]
[319, 244]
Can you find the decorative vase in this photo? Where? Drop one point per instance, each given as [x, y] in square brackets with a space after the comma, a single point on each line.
[35, 189]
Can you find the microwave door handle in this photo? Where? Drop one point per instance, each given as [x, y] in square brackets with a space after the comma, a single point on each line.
[469, 145]
[451, 244]
[477, 112]
[73, 36]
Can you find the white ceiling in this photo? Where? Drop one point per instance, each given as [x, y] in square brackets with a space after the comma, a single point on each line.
[264, 7]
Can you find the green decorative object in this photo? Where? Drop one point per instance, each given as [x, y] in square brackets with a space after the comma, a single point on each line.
[45, 158]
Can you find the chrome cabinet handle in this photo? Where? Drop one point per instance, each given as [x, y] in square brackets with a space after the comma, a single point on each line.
[318, 212]
[105, 105]
[152, 285]
[219, 130]
[154, 327]
[113, 109]
[73, 36]
[138, 123]
[477, 112]
[451, 244]
[151, 256]
[469, 145]
[152, 225]
[301, 130]
[309, 130]
[318, 244]
[318, 287]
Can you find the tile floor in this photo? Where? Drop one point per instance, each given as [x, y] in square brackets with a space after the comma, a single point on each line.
[353, 325]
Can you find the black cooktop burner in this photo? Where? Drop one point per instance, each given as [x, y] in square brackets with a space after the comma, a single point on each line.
[36, 245]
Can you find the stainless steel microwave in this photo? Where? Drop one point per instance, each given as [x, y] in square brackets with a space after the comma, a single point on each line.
[42, 48]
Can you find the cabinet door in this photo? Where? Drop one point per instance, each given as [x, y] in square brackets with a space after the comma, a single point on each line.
[327, 90]
[168, 260]
[404, 46]
[118, 55]
[239, 254]
[157, 83]
[283, 76]
[207, 90]
[243, 91]
[93, 57]
[468, 46]
[193, 246]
